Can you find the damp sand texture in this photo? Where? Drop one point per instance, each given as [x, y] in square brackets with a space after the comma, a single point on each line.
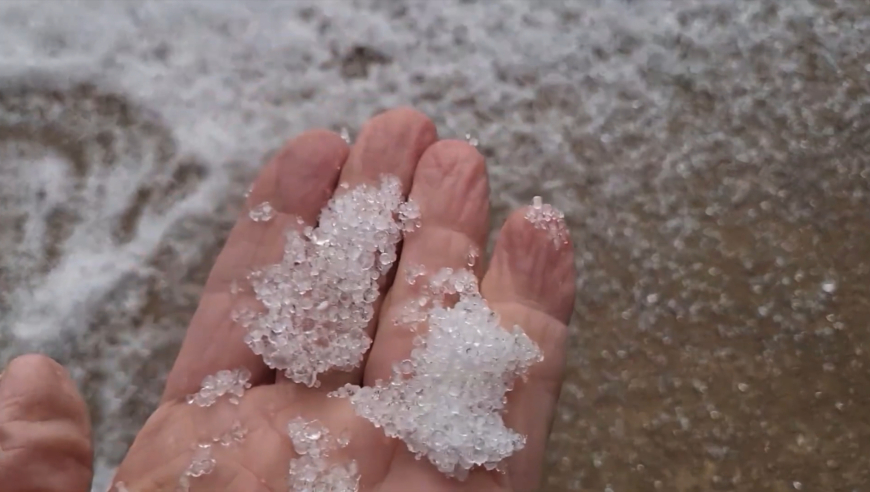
[711, 159]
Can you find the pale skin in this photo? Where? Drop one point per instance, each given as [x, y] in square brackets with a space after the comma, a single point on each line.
[528, 281]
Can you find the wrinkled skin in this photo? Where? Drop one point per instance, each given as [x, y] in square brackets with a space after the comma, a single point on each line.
[529, 281]
[45, 432]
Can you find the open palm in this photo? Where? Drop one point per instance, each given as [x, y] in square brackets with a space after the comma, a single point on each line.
[529, 282]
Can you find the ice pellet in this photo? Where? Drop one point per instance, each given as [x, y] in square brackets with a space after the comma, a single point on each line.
[319, 299]
[473, 255]
[202, 463]
[409, 215]
[225, 382]
[312, 470]
[345, 135]
[547, 218]
[445, 401]
[235, 435]
[262, 212]
[413, 272]
[234, 287]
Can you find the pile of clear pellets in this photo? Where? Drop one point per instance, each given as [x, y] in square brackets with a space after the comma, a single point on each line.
[445, 401]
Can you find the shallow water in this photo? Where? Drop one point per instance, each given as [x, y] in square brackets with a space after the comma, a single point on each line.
[712, 158]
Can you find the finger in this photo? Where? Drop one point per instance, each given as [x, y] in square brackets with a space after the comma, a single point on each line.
[297, 183]
[45, 430]
[451, 189]
[531, 283]
[390, 143]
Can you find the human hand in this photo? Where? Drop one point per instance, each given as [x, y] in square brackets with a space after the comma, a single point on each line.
[529, 282]
[45, 430]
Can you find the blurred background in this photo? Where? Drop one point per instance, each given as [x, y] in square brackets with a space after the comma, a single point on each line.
[712, 158]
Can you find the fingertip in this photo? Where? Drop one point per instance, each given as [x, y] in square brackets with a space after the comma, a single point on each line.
[390, 143]
[452, 189]
[312, 159]
[413, 119]
[534, 255]
[35, 367]
[324, 146]
[307, 170]
[442, 157]
[35, 387]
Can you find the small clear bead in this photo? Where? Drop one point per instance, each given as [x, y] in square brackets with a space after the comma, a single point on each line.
[235, 435]
[473, 255]
[312, 470]
[262, 212]
[202, 463]
[231, 383]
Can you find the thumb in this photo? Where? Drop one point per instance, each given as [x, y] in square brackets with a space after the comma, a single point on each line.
[45, 430]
